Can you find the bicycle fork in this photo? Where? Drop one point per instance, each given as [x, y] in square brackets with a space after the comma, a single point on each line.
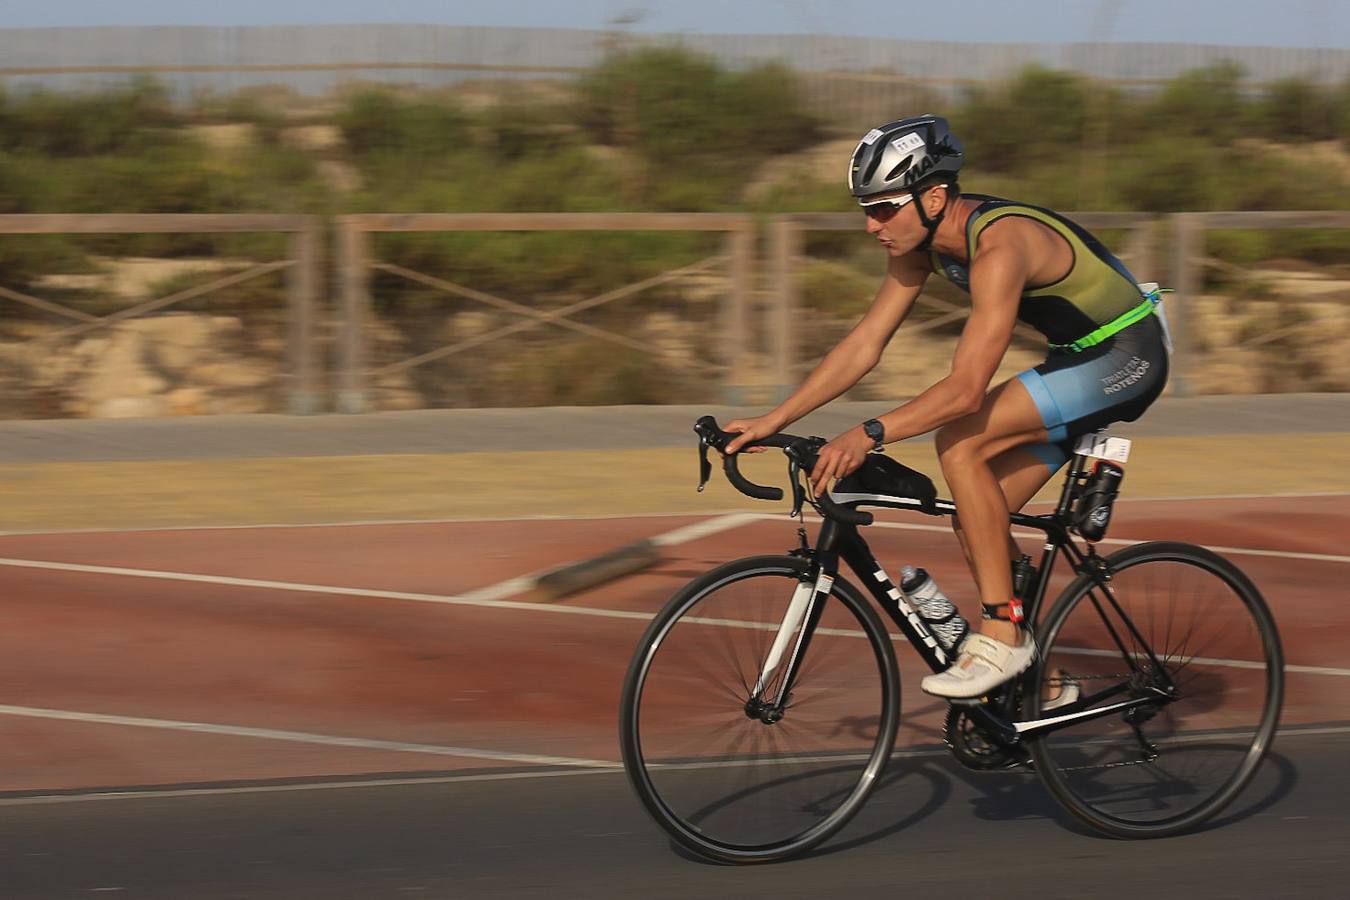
[793, 636]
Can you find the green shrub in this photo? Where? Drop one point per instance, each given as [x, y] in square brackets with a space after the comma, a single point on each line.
[835, 288]
[378, 120]
[1295, 109]
[575, 372]
[1341, 110]
[127, 120]
[557, 264]
[650, 129]
[1207, 103]
[689, 118]
[1037, 118]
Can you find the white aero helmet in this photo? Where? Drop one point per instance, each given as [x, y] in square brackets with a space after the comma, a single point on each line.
[903, 155]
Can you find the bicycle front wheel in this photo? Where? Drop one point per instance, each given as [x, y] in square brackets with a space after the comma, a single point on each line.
[723, 780]
[1184, 646]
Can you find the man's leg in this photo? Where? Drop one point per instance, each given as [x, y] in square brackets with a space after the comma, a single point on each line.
[1020, 473]
[967, 449]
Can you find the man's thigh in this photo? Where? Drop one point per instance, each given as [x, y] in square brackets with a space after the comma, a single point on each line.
[1007, 418]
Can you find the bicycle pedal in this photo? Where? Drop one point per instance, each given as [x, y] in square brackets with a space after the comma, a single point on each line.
[968, 701]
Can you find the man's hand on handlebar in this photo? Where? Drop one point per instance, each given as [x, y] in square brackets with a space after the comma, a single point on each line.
[751, 430]
[840, 457]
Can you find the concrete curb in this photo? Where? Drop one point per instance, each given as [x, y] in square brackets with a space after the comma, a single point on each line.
[582, 575]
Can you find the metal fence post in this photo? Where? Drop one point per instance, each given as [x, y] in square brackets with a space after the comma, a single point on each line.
[1187, 246]
[302, 295]
[352, 244]
[785, 246]
[1142, 248]
[741, 249]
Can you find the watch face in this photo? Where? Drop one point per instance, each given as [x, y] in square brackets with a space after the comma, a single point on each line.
[874, 429]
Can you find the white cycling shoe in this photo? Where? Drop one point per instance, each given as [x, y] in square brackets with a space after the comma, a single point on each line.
[982, 665]
[1068, 694]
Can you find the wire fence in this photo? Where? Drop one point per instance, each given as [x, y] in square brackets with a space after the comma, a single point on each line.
[846, 76]
[739, 318]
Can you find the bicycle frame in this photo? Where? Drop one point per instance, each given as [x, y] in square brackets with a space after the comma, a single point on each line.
[842, 541]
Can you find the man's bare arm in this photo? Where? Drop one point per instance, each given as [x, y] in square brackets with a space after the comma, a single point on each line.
[998, 276]
[852, 358]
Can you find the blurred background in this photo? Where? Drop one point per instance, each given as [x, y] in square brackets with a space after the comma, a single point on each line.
[1126, 113]
[331, 331]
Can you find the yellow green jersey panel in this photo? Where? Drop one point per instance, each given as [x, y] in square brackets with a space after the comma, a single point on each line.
[1097, 289]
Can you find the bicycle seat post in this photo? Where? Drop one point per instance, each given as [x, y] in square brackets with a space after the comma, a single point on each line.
[1069, 492]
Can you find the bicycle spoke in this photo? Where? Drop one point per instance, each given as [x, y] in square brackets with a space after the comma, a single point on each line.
[1190, 617]
[728, 782]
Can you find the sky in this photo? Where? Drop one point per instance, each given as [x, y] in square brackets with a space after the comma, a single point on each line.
[1278, 23]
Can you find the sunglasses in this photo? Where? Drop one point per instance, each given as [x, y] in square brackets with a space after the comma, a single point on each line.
[884, 212]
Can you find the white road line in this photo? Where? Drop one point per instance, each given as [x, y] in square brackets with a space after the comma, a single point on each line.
[599, 517]
[1188, 498]
[48, 799]
[299, 587]
[492, 596]
[1117, 542]
[52, 799]
[1277, 554]
[1213, 661]
[466, 600]
[501, 590]
[300, 737]
[705, 529]
[371, 523]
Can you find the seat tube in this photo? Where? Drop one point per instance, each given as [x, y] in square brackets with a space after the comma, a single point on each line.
[1076, 471]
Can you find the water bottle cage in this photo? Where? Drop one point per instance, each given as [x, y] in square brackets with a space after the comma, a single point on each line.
[1005, 612]
[1092, 512]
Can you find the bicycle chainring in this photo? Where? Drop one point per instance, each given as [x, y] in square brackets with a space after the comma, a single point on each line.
[974, 748]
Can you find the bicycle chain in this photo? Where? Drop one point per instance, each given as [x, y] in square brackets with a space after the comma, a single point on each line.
[1074, 679]
[1114, 765]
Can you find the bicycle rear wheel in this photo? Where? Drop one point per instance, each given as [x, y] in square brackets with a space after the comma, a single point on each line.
[719, 779]
[1168, 765]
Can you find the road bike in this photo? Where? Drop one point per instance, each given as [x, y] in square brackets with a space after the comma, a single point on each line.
[762, 703]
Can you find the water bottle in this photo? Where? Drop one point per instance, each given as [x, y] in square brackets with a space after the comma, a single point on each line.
[933, 607]
[1093, 512]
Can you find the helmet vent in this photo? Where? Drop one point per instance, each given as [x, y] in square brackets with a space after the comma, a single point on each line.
[871, 168]
[900, 169]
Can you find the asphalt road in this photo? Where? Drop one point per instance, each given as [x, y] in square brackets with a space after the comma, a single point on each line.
[930, 827]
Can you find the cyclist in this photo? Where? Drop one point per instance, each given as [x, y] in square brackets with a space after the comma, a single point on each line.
[1107, 361]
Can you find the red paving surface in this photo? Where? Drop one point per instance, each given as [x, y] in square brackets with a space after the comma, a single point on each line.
[520, 681]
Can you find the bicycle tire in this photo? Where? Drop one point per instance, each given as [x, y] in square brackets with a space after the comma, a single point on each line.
[1099, 770]
[802, 796]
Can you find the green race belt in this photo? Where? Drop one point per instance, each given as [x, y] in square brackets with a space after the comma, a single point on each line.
[1120, 323]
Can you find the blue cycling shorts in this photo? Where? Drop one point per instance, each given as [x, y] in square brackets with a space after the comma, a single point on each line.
[1115, 381]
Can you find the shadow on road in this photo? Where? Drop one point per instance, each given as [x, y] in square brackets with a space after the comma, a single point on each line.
[1009, 796]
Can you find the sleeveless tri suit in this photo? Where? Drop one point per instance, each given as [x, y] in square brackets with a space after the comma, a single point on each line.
[1108, 354]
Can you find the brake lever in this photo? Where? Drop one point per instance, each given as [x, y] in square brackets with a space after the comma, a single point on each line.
[796, 463]
[704, 467]
[798, 495]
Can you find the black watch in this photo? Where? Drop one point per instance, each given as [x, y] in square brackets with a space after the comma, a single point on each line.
[877, 432]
